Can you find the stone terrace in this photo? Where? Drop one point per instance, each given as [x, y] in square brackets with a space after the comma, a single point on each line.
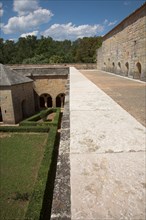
[101, 166]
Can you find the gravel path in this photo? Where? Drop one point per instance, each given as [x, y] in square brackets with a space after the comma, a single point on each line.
[129, 94]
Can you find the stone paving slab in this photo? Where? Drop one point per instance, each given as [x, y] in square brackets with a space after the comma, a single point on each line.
[108, 186]
[106, 154]
[105, 131]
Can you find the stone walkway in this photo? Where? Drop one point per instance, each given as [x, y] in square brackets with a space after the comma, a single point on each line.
[128, 93]
[107, 156]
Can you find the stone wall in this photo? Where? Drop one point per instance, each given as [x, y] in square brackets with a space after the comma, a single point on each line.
[17, 102]
[40, 70]
[51, 85]
[19, 67]
[23, 101]
[6, 104]
[48, 81]
[61, 204]
[123, 49]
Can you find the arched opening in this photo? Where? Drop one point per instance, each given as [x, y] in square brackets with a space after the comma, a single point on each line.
[42, 102]
[49, 101]
[119, 65]
[138, 72]
[23, 107]
[119, 69]
[60, 100]
[113, 65]
[108, 65]
[45, 101]
[1, 117]
[127, 68]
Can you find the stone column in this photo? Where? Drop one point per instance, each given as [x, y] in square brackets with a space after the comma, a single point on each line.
[54, 102]
[45, 99]
[62, 99]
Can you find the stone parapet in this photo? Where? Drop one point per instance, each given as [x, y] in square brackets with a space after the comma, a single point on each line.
[61, 206]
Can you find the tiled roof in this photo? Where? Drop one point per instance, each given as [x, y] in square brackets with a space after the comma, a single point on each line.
[9, 77]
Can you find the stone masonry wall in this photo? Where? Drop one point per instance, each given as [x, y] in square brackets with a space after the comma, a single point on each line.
[7, 105]
[124, 48]
[40, 70]
[64, 67]
[51, 85]
[61, 204]
[23, 101]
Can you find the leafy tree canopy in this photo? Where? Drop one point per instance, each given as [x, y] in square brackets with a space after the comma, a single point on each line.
[31, 50]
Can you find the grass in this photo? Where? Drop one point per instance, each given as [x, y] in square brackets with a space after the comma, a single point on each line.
[20, 158]
[40, 204]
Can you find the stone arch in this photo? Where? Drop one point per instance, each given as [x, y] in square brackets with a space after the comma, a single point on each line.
[42, 102]
[108, 65]
[113, 66]
[45, 100]
[60, 100]
[138, 70]
[49, 101]
[1, 116]
[126, 68]
[119, 65]
[119, 68]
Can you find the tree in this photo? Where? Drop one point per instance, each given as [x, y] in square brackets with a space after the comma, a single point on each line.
[55, 59]
[8, 51]
[46, 50]
[1, 50]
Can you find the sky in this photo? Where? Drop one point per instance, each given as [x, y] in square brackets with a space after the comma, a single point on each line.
[62, 19]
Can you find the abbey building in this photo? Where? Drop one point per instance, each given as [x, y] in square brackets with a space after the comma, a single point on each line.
[123, 49]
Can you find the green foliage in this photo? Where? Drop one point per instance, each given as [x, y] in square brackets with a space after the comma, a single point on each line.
[35, 205]
[43, 115]
[45, 175]
[26, 128]
[31, 50]
[35, 208]
[55, 59]
[37, 59]
[33, 120]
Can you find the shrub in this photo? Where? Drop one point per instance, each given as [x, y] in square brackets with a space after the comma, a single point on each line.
[43, 115]
[36, 200]
[33, 120]
[24, 129]
[35, 208]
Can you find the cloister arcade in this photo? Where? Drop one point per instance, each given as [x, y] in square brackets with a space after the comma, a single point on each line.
[47, 101]
[60, 100]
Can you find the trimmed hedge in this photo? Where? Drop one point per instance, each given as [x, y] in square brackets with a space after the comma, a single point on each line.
[24, 129]
[32, 121]
[35, 204]
[35, 208]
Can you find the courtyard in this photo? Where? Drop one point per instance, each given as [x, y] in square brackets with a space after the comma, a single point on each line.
[129, 94]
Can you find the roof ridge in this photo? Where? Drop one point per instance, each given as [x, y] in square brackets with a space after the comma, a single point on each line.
[10, 77]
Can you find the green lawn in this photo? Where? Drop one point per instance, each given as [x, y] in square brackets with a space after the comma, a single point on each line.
[20, 158]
